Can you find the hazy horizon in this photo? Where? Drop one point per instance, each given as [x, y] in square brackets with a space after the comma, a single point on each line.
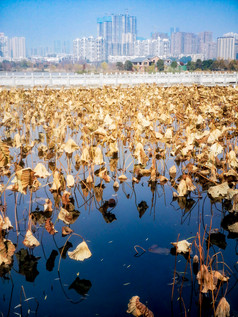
[41, 22]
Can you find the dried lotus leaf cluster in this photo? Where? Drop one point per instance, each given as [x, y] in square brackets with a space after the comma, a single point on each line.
[83, 131]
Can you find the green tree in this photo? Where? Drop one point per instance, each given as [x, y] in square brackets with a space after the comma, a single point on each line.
[160, 65]
[233, 65]
[207, 64]
[198, 64]
[119, 66]
[191, 66]
[128, 65]
[174, 64]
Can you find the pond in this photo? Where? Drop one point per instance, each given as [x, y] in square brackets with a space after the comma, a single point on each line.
[126, 171]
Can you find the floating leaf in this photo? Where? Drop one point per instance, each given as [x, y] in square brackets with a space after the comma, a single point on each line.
[223, 190]
[68, 217]
[7, 250]
[81, 253]
[182, 246]
[66, 231]
[5, 223]
[30, 241]
[49, 226]
[136, 308]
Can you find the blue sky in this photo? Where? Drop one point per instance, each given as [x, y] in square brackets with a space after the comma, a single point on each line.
[43, 21]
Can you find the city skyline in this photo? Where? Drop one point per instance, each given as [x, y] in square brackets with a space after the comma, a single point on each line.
[42, 22]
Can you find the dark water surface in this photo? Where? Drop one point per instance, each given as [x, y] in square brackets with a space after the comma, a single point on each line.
[114, 273]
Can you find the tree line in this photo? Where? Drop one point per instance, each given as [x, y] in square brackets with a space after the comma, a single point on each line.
[184, 63]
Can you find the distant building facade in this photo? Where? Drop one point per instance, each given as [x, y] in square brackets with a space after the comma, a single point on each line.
[17, 48]
[90, 48]
[3, 46]
[119, 32]
[226, 47]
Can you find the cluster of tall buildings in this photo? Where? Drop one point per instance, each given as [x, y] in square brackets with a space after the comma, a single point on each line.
[12, 48]
[117, 40]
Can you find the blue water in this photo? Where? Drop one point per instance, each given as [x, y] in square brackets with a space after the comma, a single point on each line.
[114, 272]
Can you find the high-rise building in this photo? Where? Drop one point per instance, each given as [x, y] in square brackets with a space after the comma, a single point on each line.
[177, 43]
[226, 47]
[3, 46]
[190, 41]
[17, 48]
[120, 32]
[90, 48]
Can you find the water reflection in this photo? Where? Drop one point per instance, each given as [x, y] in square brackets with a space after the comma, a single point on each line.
[124, 186]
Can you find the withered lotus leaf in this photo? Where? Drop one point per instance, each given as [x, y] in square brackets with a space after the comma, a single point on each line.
[189, 183]
[41, 171]
[172, 171]
[216, 149]
[223, 308]
[5, 223]
[182, 188]
[7, 250]
[222, 190]
[122, 178]
[116, 184]
[49, 227]
[30, 241]
[70, 181]
[140, 154]
[68, 217]
[66, 231]
[4, 154]
[89, 179]
[85, 157]
[17, 140]
[48, 205]
[58, 181]
[98, 157]
[209, 279]
[24, 178]
[70, 146]
[81, 252]
[182, 246]
[136, 308]
[101, 132]
[232, 159]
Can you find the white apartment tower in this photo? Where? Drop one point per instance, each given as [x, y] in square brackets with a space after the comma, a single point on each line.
[226, 48]
[17, 48]
[3, 46]
[90, 48]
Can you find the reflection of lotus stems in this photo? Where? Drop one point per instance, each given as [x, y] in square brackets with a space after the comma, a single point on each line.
[72, 234]
[172, 296]
[29, 211]
[15, 212]
[3, 191]
[10, 301]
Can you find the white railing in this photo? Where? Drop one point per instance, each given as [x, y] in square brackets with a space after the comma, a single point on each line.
[11, 79]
